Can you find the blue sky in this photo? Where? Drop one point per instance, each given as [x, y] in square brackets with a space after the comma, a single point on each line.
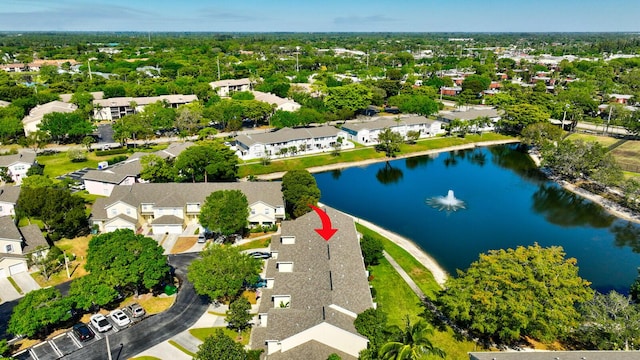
[320, 16]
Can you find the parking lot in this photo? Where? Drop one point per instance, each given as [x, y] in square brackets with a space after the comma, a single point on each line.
[68, 342]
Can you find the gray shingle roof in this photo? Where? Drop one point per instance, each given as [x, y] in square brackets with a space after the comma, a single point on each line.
[387, 122]
[168, 220]
[98, 210]
[25, 157]
[287, 134]
[142, 101]
[470, 114]
[33, 238]
[8, 229]
[104, 176]
[325, 273]
[9, 194]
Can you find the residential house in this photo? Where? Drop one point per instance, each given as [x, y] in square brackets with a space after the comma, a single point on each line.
[32, 121]
[620, 98]
[17, 165]
[14, 67]
[102, 182]
[115, 108]
[280, 103]
[450, 90]
[225, 88]
[169, 207]
[8, 199]
[307, 140]
[16, 244]
[36, 65]
[554, 355]
[367, 132]
[492, 114]
[315, 290]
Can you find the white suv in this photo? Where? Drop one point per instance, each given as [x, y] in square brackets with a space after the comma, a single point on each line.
[100, 322]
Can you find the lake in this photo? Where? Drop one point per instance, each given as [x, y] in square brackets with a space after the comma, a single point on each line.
[508, 203]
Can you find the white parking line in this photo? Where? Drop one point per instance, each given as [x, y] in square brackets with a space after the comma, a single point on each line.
[75, 341]
[33, 354]
[55, 348]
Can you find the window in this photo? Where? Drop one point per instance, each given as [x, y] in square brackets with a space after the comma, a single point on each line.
[128, 211]
[0, 208]
[114, 212]
[9, 248]
[253, 211]
[266, 211]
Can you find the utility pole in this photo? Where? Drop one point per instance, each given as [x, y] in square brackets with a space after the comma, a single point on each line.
[66, 264]
[608, 119]
[218, 61]
[89, 64]
[297, 64]
[106, 337]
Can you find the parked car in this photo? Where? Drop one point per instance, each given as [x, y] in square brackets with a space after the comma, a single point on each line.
[100, 322]
[83, 332]
[136, 310]
[260, 254]
[201, 238]
[119, 317]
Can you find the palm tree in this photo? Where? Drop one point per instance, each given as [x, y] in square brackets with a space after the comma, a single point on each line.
[411, 343]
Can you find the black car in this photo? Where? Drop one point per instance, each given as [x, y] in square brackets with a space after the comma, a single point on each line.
[83, 332]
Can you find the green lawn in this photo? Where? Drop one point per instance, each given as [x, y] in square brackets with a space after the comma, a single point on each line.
[255, 244]
[203, 333]
[418, 272]
[604, 140]
[59, 164]
[628, 154]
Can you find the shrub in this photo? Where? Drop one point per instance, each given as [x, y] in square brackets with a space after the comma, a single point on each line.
[117, 159]
[111, 152]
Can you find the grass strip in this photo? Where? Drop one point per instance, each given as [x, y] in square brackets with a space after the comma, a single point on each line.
[203, 333]
[416, 271]
[181, 348]
[255, 244]
[15, 285]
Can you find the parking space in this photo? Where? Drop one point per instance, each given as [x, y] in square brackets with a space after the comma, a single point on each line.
[66, 343]
[45, 351]
[24, 355]
[76, 175]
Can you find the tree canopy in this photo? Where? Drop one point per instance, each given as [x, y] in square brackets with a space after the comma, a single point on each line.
[208, 162]
[38, 310]
[225, 212]
[300, 190]
[220, 347]
[507, 294]
[122, 258]
[389, 141]
[223, 271]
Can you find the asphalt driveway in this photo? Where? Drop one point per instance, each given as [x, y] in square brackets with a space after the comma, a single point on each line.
[7, 291]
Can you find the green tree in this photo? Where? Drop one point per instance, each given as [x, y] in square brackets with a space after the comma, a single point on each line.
[89, 291]
[220, 347]
[222, 271]
[63, 213]
[4, 348]
[300, 190]
[225, 212]
[372, 323]
[123, 258]
[208, 162]
[10, 128]
[389, 141]
[575, 159]
[517, 117]
[372, 249]
[410, 343]
[609, 322]
[414, 104]
[158, 170]
[34, 181]
[188, 117]
[238, 315]
[65, 126]
[540, 134]
[529, 291]
[37, 311]
[351, 97]
[476, 83]
[38, 140]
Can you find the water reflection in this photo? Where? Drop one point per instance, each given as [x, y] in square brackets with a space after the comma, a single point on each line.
[566, 209]
[416, 161]
[389, 174]
[627, 234]
[514, 158]
[336, 173]
[478, 158]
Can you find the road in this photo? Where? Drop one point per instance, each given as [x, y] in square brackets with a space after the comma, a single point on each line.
[125, 344]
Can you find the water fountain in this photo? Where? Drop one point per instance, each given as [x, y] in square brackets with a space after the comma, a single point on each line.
[448, 203]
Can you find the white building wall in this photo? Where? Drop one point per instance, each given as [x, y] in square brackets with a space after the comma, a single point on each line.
[98, 187]
[18, 171]
[329, 335]
[16, 247]
[7, 209]
[114, 210]
[175, 211]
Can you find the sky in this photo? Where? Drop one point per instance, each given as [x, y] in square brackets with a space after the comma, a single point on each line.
[322, 15]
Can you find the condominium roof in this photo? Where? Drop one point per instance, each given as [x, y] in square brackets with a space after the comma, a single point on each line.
[230, 82]
[25, 157]
[9, 194]
[33, 238]
[287, 134]
[179, 194]
[327, 286]
[8, 229]
[97, 95]
[271, 98]
[142, 101]
[388, 122]
[104, 176]
[37, 113]
[470, 114]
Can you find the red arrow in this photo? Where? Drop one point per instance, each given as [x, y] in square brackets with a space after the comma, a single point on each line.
[327, 231]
